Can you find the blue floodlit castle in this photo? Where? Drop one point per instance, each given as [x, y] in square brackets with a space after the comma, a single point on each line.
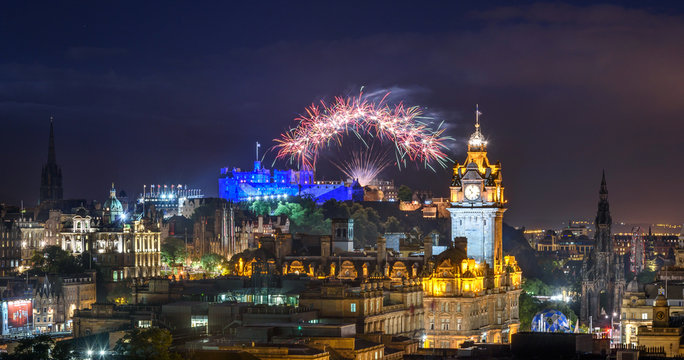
[264, 184]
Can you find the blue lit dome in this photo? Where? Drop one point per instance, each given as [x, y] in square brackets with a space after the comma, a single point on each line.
[550, 321]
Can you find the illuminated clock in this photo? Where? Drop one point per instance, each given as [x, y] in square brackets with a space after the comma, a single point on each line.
[472, 192]
[660, 315]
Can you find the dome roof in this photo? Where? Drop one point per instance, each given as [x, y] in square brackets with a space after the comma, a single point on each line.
[113, 204]
[112, 207]
[550, 320]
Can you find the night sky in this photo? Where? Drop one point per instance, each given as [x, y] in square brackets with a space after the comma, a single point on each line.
[156, 93]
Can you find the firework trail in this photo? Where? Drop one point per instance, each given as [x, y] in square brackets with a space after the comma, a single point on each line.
[365, 166]
[325, 124]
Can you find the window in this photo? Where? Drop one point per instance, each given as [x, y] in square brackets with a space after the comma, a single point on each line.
[353, 307]
[198, 320]
[445, 324]
[144, 323]
[458, 324]
[644, 316]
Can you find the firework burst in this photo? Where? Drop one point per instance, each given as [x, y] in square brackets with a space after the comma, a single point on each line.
[365, 166]
[325, 124]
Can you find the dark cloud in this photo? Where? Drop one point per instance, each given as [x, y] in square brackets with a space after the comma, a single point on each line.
[566, 91]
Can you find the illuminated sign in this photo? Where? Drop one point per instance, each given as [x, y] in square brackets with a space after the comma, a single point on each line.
[19, 313]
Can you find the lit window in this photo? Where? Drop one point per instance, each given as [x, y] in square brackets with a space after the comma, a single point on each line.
[198, 320]
[644, 316]
[353, 307]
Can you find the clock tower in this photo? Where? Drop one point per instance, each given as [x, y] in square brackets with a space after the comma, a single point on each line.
[477, 202]
[661, 310]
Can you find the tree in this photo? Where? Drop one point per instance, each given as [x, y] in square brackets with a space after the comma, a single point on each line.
[40, 347]
[173, 251]
[365, 229]
[54, 260]
[404, 193]
[147, 344]
[335, 209]
[393, 225]
[210, 262]
[262, 207]
[529, 306]
[535, 286]
[120, 293]
[305, 219]
[646, 277]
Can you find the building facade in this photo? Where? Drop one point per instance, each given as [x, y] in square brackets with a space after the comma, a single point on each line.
[124, 248]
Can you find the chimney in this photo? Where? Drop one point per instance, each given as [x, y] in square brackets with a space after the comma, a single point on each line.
[325, 248]
[382, 250]
[461, 242]
[427, 248]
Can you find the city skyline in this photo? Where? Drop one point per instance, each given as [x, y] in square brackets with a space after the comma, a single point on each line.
[129, 114]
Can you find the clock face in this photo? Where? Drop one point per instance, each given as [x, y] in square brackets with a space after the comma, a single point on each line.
[660, 315]
[472, 192]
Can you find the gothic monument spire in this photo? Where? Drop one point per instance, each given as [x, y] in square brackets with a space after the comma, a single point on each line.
[51, 176]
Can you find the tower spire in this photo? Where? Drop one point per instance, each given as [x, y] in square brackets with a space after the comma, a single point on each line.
[51, 175]
[603, 219]
[477, 141]
[52, 158]
[604, 187]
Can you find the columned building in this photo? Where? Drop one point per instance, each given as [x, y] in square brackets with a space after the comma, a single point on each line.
[472, 290]
[123, 248]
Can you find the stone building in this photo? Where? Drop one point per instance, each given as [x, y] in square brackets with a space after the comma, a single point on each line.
[124, 248]
[375, 306]
[10, 247]
[663, 332]
[102, 318]
[638, 302]
[32, 235]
